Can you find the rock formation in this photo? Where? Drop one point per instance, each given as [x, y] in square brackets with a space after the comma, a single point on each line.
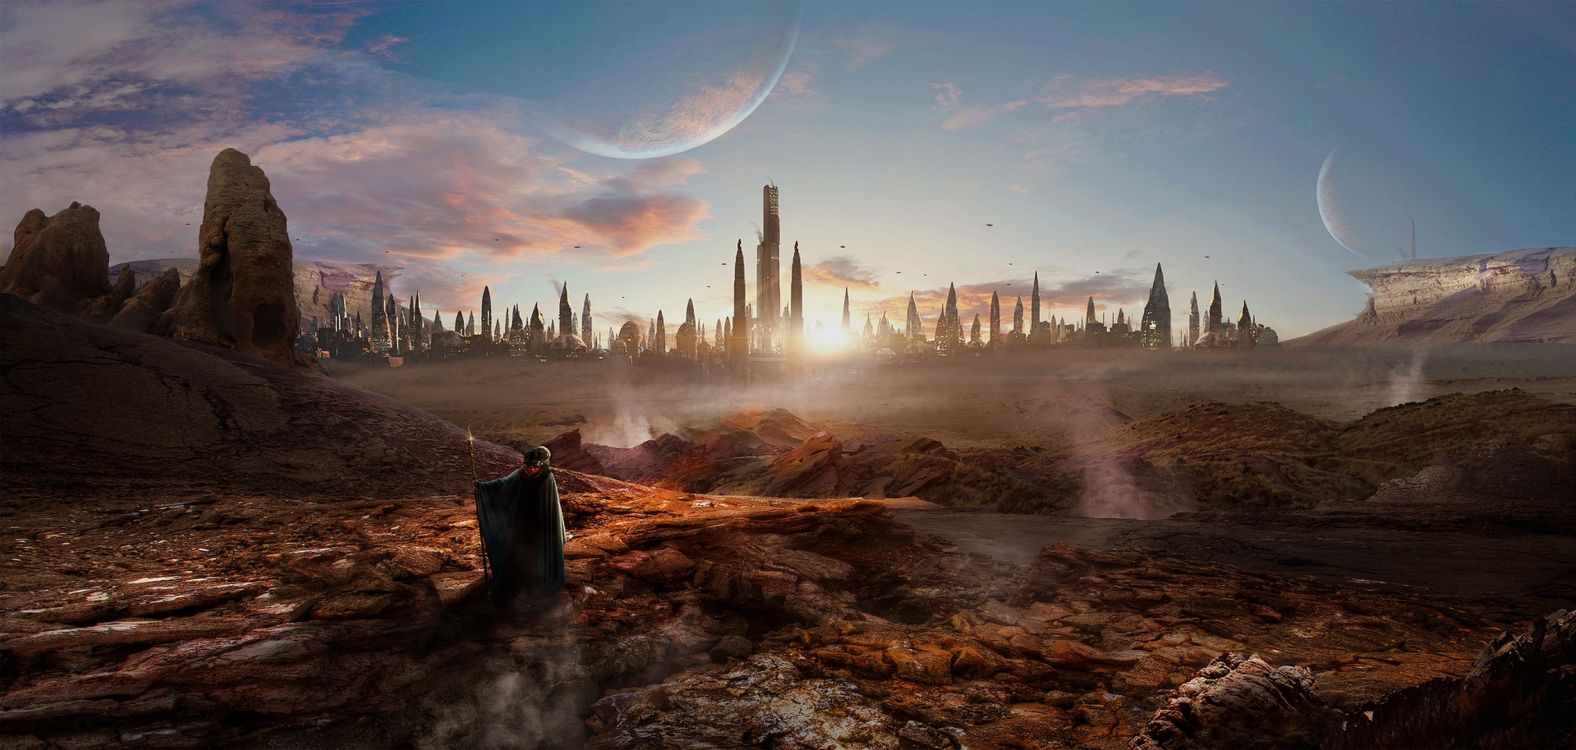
[1239, 701]
[1514, 296]
[141, 311]
[58, 260]
[243, 293]
[361, 287]
[1520, 693]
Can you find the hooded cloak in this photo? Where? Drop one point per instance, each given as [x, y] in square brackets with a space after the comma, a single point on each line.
[522, 530]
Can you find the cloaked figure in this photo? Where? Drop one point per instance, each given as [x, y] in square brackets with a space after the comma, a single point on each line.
[523, 531]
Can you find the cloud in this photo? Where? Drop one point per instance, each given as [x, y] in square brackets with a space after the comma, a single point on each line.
[1115, 92]
[91, 56]
[630, 224]
[868, 43]
[947, 94]
[967, 117]
[841, 271]
[794, 84]
[128, 109]
[1063, 92]
[383, 46]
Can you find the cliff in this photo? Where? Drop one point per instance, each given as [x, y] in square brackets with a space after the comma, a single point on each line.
[1517, 296]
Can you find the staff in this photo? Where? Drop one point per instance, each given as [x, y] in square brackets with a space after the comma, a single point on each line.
[470, 443]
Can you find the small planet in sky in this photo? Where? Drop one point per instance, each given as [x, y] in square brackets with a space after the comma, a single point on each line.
[659, 80]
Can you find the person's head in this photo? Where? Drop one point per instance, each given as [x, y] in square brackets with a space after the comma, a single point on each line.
[536, 460]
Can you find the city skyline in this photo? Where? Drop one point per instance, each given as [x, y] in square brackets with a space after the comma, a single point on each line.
[1082, 142]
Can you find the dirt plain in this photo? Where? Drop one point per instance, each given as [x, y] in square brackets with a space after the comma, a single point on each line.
[186, 596]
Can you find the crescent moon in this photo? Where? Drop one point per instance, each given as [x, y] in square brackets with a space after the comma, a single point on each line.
[1325, 195]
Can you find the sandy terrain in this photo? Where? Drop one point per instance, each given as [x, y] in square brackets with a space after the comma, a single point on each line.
[958, 404]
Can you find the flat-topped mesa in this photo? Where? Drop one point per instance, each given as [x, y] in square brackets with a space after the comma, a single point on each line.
[243, 294]
[1521, 296]
[1402, 289]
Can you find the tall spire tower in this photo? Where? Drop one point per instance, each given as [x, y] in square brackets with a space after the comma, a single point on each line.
[1034, 305]
[1192, 321]
[739, 342]
[1214, 311]
[566, 314]
[846, 320]
[585, 322]
[1154, 331]
[795, 306]
[768, 291]
[913, 325]
[995, 320]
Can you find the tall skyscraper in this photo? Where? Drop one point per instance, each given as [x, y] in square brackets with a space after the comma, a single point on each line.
[1154, 331]
[795, 306]
[846, 319]
[585, 322]
[768, 291]
[487, 316]
[914, 327]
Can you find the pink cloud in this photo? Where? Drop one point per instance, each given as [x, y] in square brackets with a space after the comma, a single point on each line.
[842, 271]
[1110, 92]
[947, 94]
[1115, 92]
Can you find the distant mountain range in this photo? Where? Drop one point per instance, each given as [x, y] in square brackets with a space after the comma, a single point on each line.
[1517, 296]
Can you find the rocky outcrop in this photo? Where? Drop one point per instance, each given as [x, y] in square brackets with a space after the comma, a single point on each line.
[101, 309]
[1239, 701]
[1515, 296]
[316, 282]
[58, 260]
[122, 409]
[143, 309]
[243, 294]
[1520, 693]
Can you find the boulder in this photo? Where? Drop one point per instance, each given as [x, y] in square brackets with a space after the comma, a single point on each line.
[58, 260]
[104, 307]
[156, 296]
[1239, 701]
[243, 293]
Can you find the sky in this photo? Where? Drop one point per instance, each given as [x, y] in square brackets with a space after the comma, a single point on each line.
[913, 144]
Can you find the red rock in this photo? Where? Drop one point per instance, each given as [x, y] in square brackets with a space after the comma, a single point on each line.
[453, 588]
[242, 295]
[58, 260]
[351, 606]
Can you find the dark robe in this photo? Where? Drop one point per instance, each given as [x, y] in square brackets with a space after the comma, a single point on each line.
[523, 531]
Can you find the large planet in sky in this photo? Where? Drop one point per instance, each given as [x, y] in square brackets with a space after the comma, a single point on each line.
[657, 79]
[1329, 208]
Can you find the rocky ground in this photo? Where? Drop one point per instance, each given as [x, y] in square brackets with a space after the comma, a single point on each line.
[688, 621]
[203, 548]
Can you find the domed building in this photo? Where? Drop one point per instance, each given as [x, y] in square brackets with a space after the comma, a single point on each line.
[629, 336]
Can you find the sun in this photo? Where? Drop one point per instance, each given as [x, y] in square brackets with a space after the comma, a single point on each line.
[827, 340]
